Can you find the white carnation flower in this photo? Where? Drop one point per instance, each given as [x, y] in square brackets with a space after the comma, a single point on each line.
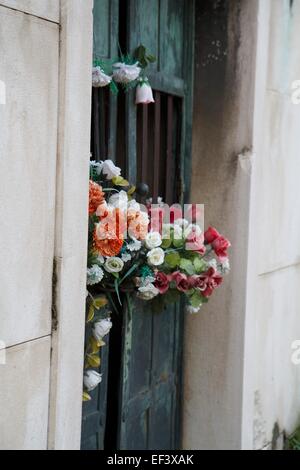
[156, 257]
[94, 275]
[99, 78]
[101, 328]
[135, 245]
[147, 292]
[114, 264]
[91, 379]
[153, 240]
[110, 170]
[119, 200]
[126, 257]
[125, 73]
[192, 310]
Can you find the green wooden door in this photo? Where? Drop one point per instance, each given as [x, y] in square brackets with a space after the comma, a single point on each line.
[158, 143]
[153, 143]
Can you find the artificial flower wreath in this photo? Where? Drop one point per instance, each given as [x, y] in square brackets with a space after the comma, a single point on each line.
[152, 259]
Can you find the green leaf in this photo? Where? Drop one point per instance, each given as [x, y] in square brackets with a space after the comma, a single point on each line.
[196, 300]
[166, 243]
[151, 58]
[117, 291]
[130, 271]
[100, 302]
[91, 313]
[187, 266]
[178, 243]
[120, 181]
[131, 191]
[86, 396]
[93, 360]
[172, 296]
[199, 264]
[172, 259]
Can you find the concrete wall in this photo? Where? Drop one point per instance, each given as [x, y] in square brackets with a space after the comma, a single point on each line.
[272, 381]
[42, 65]
[239, 379]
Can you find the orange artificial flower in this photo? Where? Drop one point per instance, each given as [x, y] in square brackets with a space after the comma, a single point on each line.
[137, 224]
[96, 197]
[107, 246]
[108, 235]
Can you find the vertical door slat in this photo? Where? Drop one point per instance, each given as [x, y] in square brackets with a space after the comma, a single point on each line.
[145, 143]
[169, 163]
[157, 114]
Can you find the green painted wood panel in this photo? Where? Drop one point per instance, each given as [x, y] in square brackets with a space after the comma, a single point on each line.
[151, 369]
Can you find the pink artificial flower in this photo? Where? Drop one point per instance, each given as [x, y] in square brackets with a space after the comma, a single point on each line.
[195, 242]
[220, 246]
[144, 94]
[182, 281]
[207, 282]
[161, 282]
[211, 235]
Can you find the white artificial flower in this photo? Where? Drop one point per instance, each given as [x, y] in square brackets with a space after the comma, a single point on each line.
[119, 200]
[94, 275]
[99, 78]
[135, 245]
[212, 263]
[225, 266]
[91, 379]
[144, 94]
[192, 228]
[114, 264]
[133, 205]
[178, 232]
[147, 292]
[182, 223]
[110, 170]
[166, 231]
[153, 240]
[101, 328]
[156, 257]
[100, 259]
[192, 310]
[124, 73]
[160, 201]
[126, 257]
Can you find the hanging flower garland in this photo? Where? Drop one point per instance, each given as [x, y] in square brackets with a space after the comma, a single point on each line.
[129, 253]
[128, 72]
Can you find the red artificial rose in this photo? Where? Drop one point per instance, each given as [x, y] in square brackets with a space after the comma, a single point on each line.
[161, 282]
[182, 281]
[208, 281]
[211, 235]
[220, 246]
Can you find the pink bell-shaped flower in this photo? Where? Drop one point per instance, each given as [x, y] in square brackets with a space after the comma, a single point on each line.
[144, 93]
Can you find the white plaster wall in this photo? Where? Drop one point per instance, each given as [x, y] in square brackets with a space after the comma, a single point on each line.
[272, 381]
[28, 150]
[44, 155]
